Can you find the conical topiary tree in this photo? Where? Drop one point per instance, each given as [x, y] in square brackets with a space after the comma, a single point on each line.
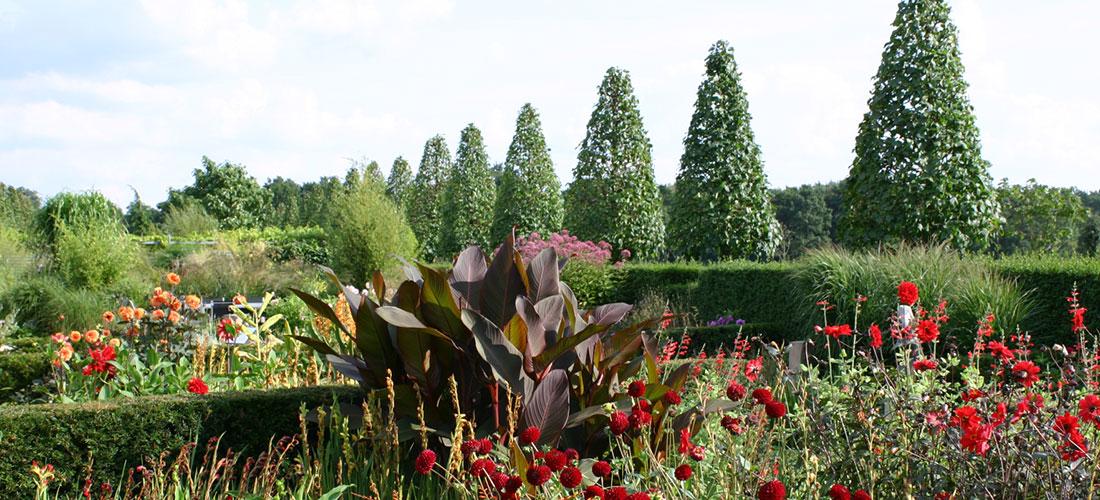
[721, 208]
[399, 183]
[918, 173]
[426, 199]
[469, 198]
[530, 193]
[613, 196]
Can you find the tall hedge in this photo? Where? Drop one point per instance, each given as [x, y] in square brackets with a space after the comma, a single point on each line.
[469, 197]
[529, 197]
[426, 199]
[721, 207]
[116, 435]
[918, 174]
[1051, 279]
[614, 196]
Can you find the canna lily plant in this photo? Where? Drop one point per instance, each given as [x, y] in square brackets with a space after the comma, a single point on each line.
[506, 331]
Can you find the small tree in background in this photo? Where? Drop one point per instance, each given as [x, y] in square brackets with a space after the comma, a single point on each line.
[285, 195]
[318, 199]
[613, 196]
[399, 183]
[1089, 241]
[721, 208]
[426, 199]
[1039, 219]
[530, 193]
[918, 173]
[469, 198]
[367, 230]
[804, 214]
[139, 217]
[18, 206]
[229, 194]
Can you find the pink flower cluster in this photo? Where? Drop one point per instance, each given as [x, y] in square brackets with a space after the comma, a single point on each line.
[565, 245]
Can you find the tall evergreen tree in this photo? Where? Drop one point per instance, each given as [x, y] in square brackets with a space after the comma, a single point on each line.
[469, 198]
[722, 208]
[613, 196]
[426, 198]
[399, 183]
[530, 193]
[918, 173]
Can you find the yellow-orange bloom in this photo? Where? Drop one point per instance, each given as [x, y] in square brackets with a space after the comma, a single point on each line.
[139, 313]
[158, 315]
[91, 336]
[115, 343]
[65, 353]
[174, 317]
[239, 300]
[174, 304]
[126, 313]
[75, 336]
[193, 302]
[108, 316]
[172, 279]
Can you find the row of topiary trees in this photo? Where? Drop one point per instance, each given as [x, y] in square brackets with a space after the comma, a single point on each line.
[918, 174]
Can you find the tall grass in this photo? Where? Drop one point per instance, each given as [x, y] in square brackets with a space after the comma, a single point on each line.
[971, 289]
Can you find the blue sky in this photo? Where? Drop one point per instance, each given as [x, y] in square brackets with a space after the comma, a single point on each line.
[109, 95]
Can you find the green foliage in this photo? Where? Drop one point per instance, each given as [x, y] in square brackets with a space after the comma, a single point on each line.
[399, 184]
[710, 339]
[592, 284]
[426, 200]
[229, 194]
[318, 201]
[1089, 239]
[187, 219]
[93, 255]
[246, 267]
[721, 209]
[44, 304]
[805, 217]
[1039, 219]
[1050, 279]
[19, 370]
[918, 173]
[613, 196]
[139, 217]
[284, 194]
[529, 197]
[108, 434]
[15, 257]
[971, 289]
[18, 206]
[75, 209]
[369, 232]
[469, 197]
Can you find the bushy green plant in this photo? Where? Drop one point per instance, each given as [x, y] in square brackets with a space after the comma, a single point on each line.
[229, 194]
[369, 233]
[87, 209]
[1039, 219]
[244, 267]
[93, 255]
[18, 207]
[591, 283]
[188, 219]
[970, 288]
[45, 304]
[15, 258]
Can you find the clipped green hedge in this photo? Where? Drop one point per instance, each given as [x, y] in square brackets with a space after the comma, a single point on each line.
[1051, 279]
[119, 434]
[778, 293]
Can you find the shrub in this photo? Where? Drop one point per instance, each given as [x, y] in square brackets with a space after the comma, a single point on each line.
[17, 206]
[19, 370]
[368, 232]
[229, 268]
[120, 434]
[188, 219]
[75, 209]
[44, 304]
[93, 255]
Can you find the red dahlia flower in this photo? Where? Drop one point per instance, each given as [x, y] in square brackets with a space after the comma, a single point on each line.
[619, 423]
[837, 331]
[753, 368]
[594, 491]
[731, 424]
[616, 493]
[636, 389]
[876, 336]
[197, 386]
[839, 492]
[570, 477]
[861, 495]
[555, 460]
[928, 331]
[1025, 372]
[1089, 409]
[537, 475]
[775, 409]
[762, 395]
[672, 398]
[425, 461]
[601, 469]
[735, 391]
[529, 435]
[921, 365]
[772, 490]
[483, 467]
[907, 293]
[683, 472]
[484, 446]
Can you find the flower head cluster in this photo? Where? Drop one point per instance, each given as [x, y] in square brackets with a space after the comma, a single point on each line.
[565, 245]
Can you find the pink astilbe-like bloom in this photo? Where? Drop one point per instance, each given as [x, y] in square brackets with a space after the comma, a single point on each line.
[565, 245]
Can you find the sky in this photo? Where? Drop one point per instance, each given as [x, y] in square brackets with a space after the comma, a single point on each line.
[122, 96]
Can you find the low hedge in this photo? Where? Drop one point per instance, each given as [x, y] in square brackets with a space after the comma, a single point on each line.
[776, 293]
[1050, 280]
[19, 370]
[116, 435]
